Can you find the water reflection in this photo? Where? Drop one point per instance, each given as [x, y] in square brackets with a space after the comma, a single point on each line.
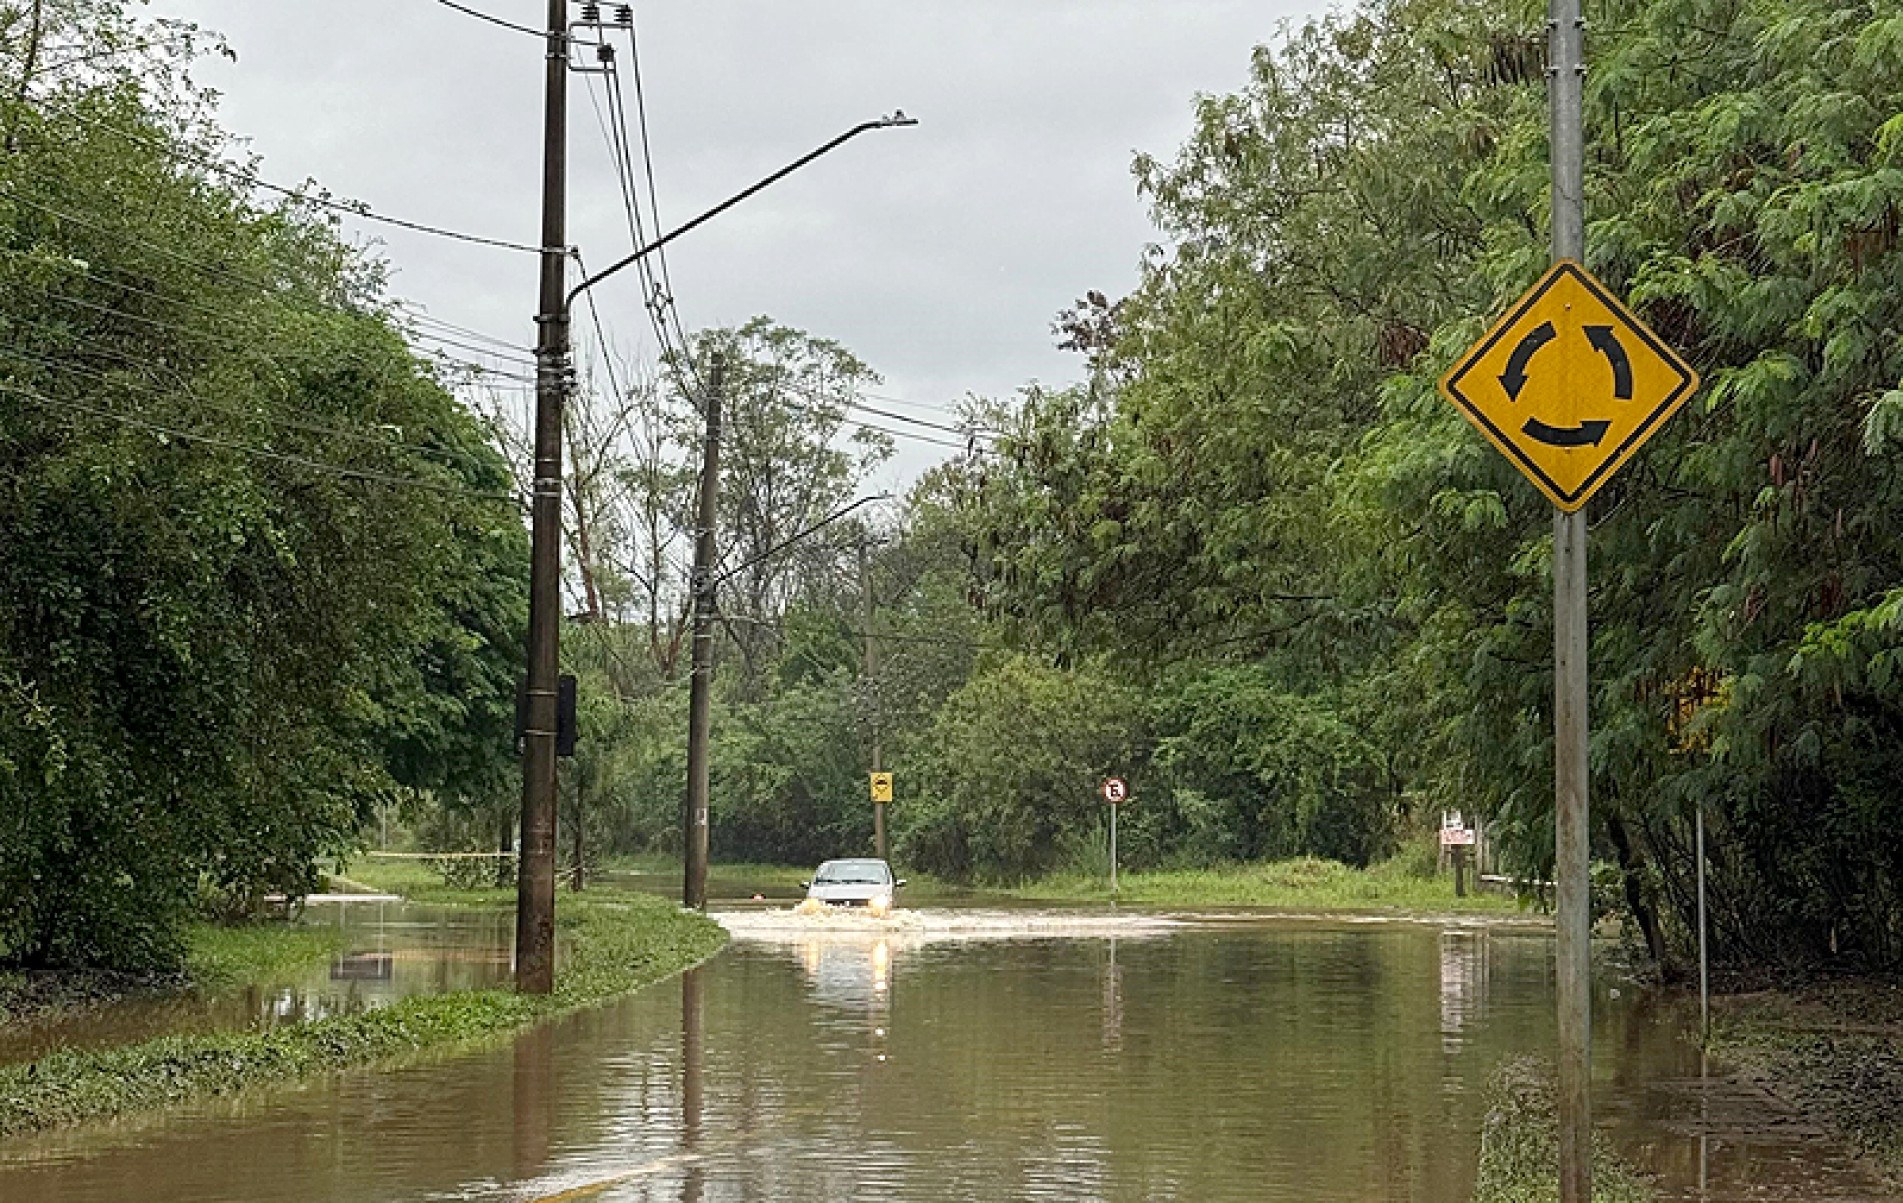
[693, 1027]
[1112, 1001]
[532, 1096]
[1464, 980]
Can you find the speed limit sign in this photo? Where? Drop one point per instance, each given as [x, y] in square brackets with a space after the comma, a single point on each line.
[1116, 790]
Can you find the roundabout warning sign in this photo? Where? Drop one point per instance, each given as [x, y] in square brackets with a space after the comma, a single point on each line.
[1569, 384]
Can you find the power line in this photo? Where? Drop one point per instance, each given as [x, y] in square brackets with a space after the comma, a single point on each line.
[820, 399]
[647, 159]
[267, 288]
[782, 625]
[184, 390]
[425, 354]
[298, 461]
[300, 195]
[479, 15]
[975, 432]
[412, 312]
[658, 301]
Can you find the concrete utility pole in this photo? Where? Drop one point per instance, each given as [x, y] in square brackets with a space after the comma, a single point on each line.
[871, 677]
[535, 882]
[1566, 73]
[694, 830]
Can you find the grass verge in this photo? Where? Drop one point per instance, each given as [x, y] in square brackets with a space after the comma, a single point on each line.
[1306, 884]
[1519, 1146]
[611, 948]
[1834, 1050]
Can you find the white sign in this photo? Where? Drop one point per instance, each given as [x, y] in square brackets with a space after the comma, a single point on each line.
[1116, 790]
[1457, 837]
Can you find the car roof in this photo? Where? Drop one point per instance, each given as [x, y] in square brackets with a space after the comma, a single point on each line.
[856, 862]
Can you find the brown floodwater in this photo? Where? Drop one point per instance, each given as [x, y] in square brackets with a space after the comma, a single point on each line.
[984, 1056]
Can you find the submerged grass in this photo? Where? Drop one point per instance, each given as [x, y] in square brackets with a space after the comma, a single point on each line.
[1519, 1146]
[217, 957]
[1832, 1049]
[418, 881]
[1304, 884]
[610, 949]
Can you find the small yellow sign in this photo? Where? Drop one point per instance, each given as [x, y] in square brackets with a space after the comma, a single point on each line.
[882, 787]
[1569, 384]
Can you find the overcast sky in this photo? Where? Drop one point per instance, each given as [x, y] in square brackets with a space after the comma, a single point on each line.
[938, 254]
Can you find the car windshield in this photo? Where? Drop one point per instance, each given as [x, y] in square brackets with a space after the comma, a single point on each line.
[852, 873]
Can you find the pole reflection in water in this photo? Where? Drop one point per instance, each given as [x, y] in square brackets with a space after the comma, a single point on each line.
[533, 1098]
[1113, 1002]
[1704, 1120]
[693, 1024]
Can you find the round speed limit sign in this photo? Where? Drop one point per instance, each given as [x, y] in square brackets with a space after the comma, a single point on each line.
[1116, 790]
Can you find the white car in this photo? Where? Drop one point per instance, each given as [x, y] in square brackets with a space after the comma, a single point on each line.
[859, 882]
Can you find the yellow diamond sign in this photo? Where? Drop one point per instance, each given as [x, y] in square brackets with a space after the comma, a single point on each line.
[881, 787]
[1569, 384]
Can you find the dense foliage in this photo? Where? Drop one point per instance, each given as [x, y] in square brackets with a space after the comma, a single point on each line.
[257, 567]
[1262, 464]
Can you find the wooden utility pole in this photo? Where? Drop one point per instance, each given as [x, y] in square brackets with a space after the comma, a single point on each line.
[870, 676]
[1566, 74]
[535, 881]
[694, 824]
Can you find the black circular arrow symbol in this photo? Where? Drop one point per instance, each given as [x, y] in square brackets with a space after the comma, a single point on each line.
[1605, 340]
[1514, 379]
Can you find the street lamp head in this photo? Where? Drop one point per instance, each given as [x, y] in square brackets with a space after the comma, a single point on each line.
[897, 118]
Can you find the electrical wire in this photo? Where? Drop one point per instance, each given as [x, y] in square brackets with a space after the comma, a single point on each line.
[647, 159]
[782, 625]
[479, 15]
[338, 470]
[245, 347]
[302, 196]
[274, 290]
[971, 445]
[184, 390]
[658, 300]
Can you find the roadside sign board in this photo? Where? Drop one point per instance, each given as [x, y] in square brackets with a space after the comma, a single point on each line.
[881, 787]
[1569, 384]
[1457, 837]
[1116, 791]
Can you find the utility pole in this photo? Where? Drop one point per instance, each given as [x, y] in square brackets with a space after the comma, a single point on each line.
[871, 678]
[535, 882]
[701, 685]
[1572, 829]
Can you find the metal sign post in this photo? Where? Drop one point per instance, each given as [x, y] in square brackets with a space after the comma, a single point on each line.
[1572, 869]
[1569, 385]
[1116, 791]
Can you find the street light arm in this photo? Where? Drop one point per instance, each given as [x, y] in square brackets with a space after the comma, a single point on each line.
[896, 120]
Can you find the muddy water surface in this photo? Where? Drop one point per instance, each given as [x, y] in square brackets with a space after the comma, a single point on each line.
[962, 1057]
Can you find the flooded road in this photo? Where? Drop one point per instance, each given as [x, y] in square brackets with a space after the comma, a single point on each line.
[958, 1056]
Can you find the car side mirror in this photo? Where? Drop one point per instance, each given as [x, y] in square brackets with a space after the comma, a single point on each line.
[899, 882]
[806, 885]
